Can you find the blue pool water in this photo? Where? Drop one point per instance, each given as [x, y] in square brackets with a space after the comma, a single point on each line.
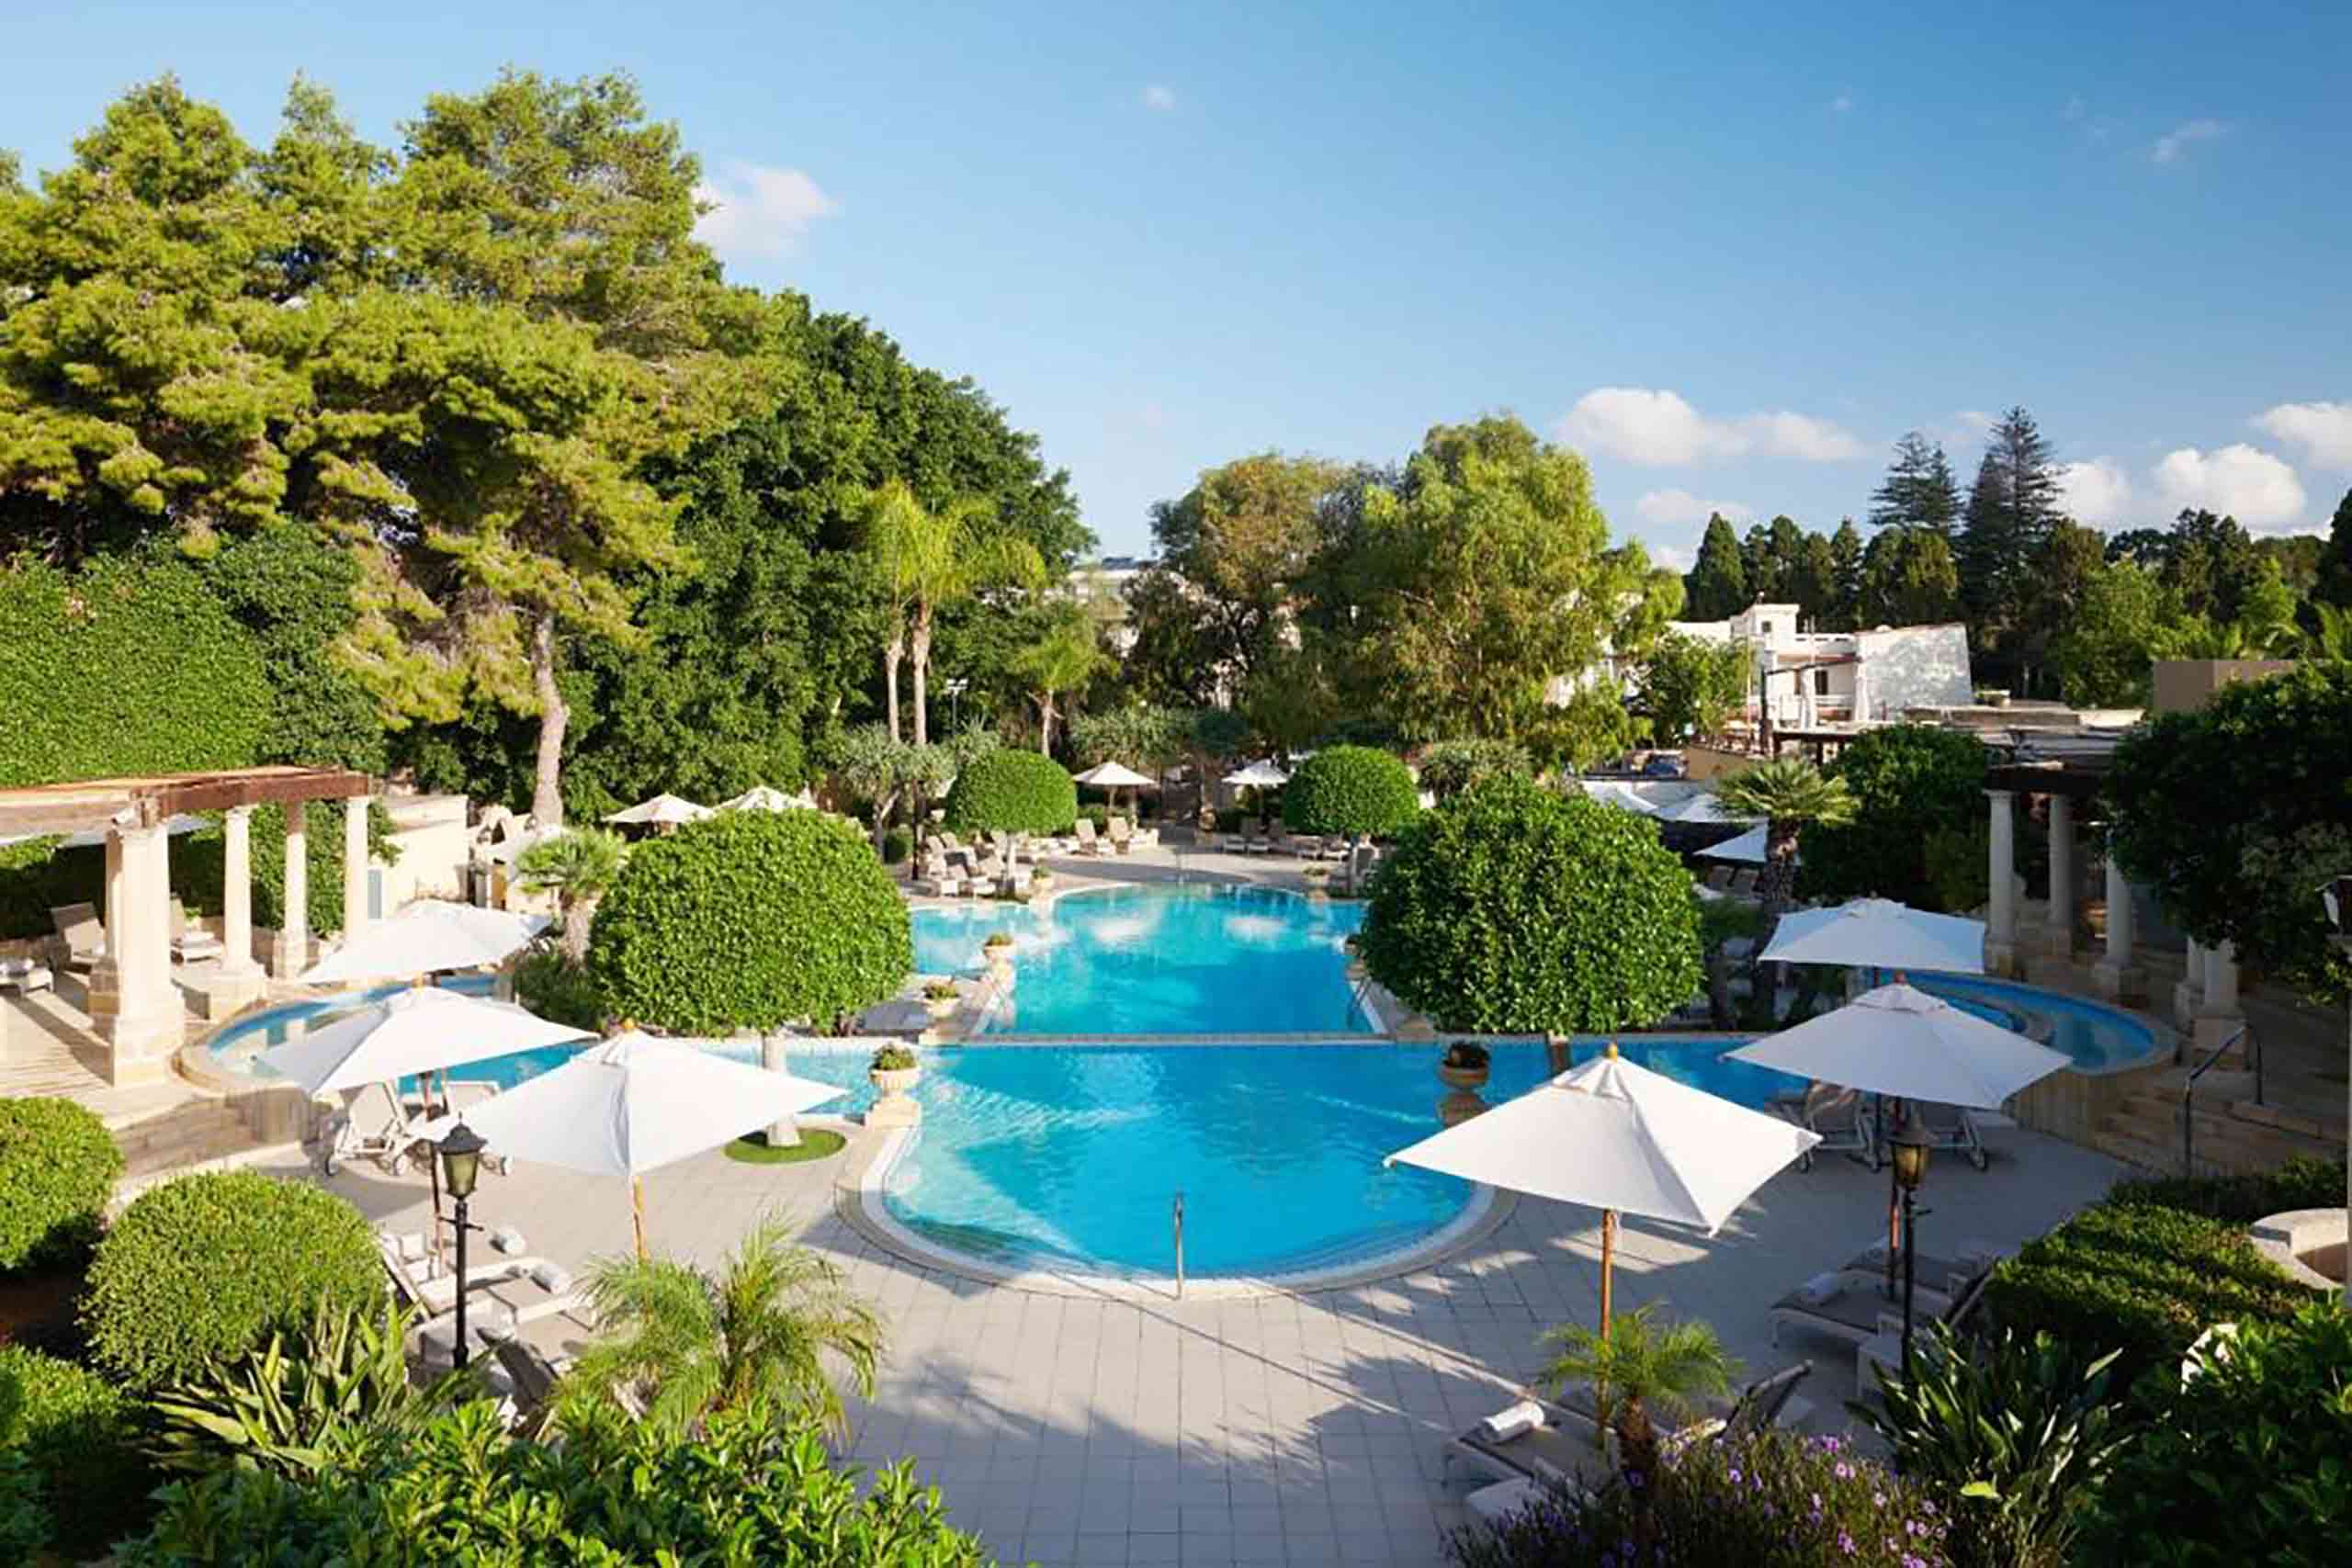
[2095, 1036]
[1161, 959]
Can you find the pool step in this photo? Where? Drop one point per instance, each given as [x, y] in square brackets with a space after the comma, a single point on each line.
[195, 1131]
[2232, 1134]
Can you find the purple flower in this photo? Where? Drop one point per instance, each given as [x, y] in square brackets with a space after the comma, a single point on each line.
[1845, 1470]
[1846, 1543]
[1734, 1475]
[1878, 1499]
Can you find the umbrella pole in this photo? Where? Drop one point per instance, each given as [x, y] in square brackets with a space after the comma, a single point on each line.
[636, 1213]
[1608, 1265]
[1895, 1238]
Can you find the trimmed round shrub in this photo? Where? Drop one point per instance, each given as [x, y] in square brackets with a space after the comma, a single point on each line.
[1359, 791]
[1514, 910]
[78, 1434]
[1012, 792]
[205, 1269]
[58, 1167]
[1908, 781]
[750, 920]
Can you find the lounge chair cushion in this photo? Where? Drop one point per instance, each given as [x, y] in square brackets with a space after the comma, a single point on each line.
[1505, 1425]
[1820, 1288]
[552, 1278]
[1497, 1504]
[506, 1238]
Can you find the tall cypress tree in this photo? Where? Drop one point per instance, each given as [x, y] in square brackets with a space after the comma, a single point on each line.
[1918, 490]
[1846, 562]
[1716, 587]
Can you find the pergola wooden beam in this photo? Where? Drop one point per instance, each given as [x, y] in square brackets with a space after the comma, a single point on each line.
[88, 804]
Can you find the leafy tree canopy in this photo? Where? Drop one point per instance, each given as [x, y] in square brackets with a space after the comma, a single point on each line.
[1906, 779]
[1354, 790]
[1690, 686]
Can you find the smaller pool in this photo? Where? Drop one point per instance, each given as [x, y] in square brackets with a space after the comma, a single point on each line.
[235, 1048]
[2096, 1035]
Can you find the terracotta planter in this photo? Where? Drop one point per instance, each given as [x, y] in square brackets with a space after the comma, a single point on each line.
[1462, 1078]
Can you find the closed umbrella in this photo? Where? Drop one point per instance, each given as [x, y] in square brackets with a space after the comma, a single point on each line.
[428, 936]
[1622, 1139]
[1881, 933]
[661, 811]
[636, 1104]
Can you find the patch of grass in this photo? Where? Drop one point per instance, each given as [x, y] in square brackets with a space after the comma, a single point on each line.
[815, 1143]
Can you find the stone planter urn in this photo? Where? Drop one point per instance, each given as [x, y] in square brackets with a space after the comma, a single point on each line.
[1464, 1066]
[941, 1008]
[896, 1107]
[1462, 1078]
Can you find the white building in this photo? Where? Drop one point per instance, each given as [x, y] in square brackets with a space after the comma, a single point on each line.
[1101, 587]
[1814, 679]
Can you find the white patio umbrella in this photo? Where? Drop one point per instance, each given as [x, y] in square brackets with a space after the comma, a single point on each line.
[661, 811]
[1702, 807]
[1747, 848]
[1622, 1139]
[633, 1104]
[430, 934]
[1899, 1041]
[1881, 933]
[1616, 792]
[1259, 774]
[764, 797]
[1114, 776]
[419, 1030]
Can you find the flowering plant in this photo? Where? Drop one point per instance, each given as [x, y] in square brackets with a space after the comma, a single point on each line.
[1773, 1500]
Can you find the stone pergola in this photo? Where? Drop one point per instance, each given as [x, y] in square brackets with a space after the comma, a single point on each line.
[2204, 1002]
[134, 1004]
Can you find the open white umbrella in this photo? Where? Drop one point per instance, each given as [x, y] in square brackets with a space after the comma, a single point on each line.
[1899, 1041]
[1702, 807]
[1616, 792]
[421, 1030]
[633, 1104]
[1619, 1138]
[1258, 775]
[661, 811]
[765, 797]
[1114, 776]
[1747, 848]
[1881, 933]
[429, 935]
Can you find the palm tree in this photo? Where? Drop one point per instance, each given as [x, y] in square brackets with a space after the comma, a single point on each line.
[687, 1344]
[929, 560]
[1064, 659]
[2330, 638]
[1636, 1367]
[579, 867]
[1788, 793]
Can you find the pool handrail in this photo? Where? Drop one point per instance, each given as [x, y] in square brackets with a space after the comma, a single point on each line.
[2189, 1094]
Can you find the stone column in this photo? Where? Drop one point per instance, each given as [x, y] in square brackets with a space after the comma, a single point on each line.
[291, 954]
[354, 867]
[105, 975]
[2117, 976]
[2221, 1016]
[2061, 931]
[2189, 991]
[238, 979]
[149, 1021]
[2001, 930]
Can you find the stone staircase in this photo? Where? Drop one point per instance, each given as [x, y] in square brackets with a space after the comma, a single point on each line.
[2232, 1132]
[159, 1138]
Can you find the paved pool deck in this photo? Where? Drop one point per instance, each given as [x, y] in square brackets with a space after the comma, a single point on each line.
[1295, 1429]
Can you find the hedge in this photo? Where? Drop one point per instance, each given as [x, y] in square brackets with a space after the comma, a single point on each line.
[1359, 791]
[1513, 909]
[747, 1488]
[1907, 781]
[751, 920]
[2303, 1182]
[80, 1436]
[2147, 1280]
[58, 1168]
[205, 1268]
[129, 665]
[1012, 792]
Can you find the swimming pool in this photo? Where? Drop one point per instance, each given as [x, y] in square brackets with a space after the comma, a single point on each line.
[2096, 1036]
[1162, 958]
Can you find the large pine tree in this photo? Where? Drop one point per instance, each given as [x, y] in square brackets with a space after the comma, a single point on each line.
[1716, 587]
[2011, 510]
[1846, 560]
[1918, 490]
[2336, 564]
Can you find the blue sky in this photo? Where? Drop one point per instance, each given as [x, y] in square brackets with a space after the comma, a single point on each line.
[1728, 253]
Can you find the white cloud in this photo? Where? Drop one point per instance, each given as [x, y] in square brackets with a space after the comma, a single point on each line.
[2173, 142]
[2239, 481]
[1654, 425]
[1679, 506]
[1841, 103]
[2323, 429]
[1158, 97]
[1674, 558]
[2095, 492]
[758, 212]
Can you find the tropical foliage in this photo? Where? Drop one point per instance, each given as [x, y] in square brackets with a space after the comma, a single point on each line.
[1639, 1369]
[1513, 908]
[579, 866]
[750, 920]
[1792, 796]
[765, 1331]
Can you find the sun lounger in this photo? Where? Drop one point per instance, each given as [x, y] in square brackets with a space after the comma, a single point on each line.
[1951, 1127]
[191, 942]
[1848, 1304]
[1123, 835]
[373, 1124]
[1840, 1117]
[1088, 844]
[1882, 1351]
[84, 934]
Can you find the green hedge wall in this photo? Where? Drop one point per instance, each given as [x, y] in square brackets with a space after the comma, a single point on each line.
[1352, 790]
[1012, 792]
[58, 1168]
[1513, 908]
[129, 666]
[80, 1436]
[202, 1269]
[750, 920]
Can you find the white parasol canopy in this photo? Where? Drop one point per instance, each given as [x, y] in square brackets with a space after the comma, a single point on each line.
[1899, 1041]
[662, 810]
[635, 1103]
[1881, 933]
[429, 935]
[421, 1030]
[765, 797]
[1619, 1137]
[1113, 775]
[1747, 848]
[1702, 807]
[1259, 774]
[1616, 792]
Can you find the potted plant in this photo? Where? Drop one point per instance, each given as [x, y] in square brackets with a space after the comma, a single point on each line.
[894, 1069]
[1318, 878]
[940, 998]
[1040, 879]
[998, 945]
[1465, 1064]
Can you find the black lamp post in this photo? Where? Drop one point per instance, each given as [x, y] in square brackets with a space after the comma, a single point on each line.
[1912, 1146]
[460, 1168]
